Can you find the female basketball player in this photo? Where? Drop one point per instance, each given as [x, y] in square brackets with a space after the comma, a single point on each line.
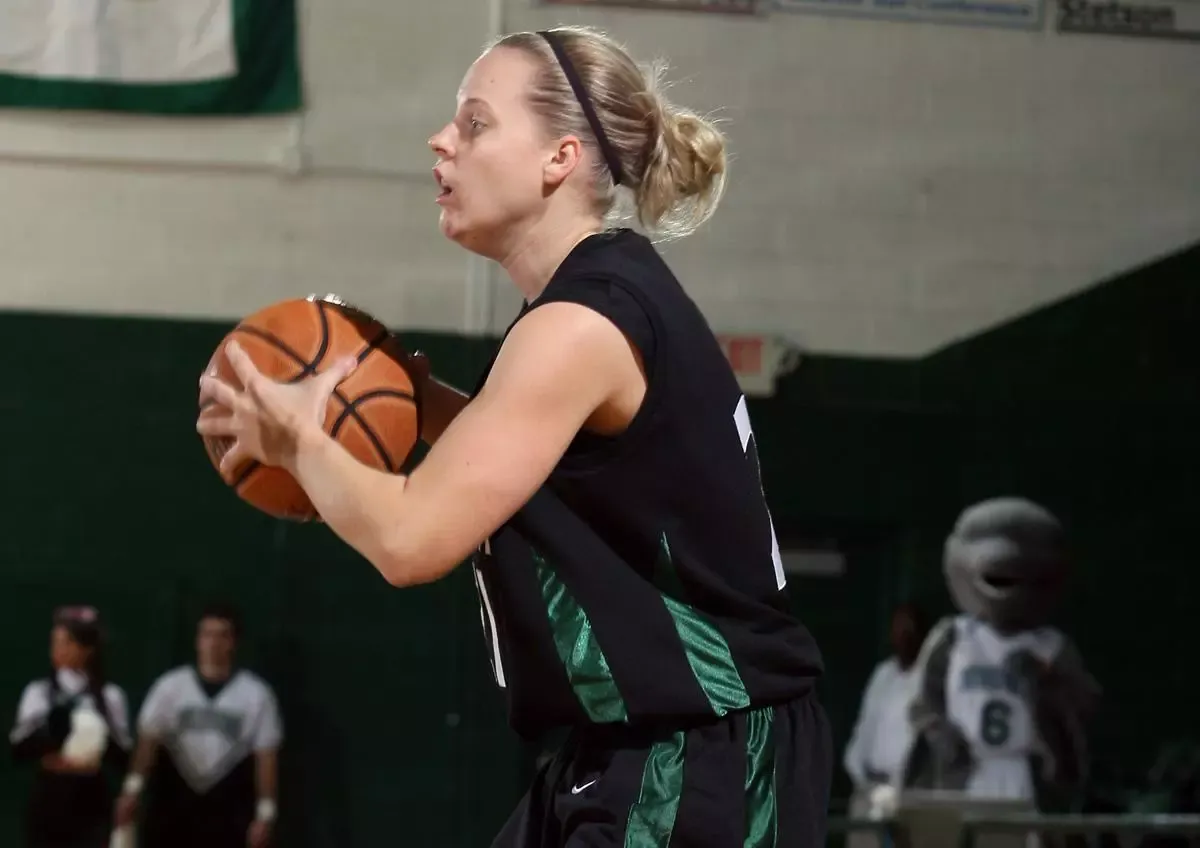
[604, 470]
[71, 802]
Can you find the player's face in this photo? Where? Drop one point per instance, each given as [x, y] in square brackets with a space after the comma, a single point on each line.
[65, 652]
[215, 641]
[491, 157]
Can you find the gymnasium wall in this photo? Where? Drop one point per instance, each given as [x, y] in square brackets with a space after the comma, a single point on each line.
[896, 186]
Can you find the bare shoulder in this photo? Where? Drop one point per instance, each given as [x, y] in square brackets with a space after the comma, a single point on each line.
[565, 324]
[558, 343]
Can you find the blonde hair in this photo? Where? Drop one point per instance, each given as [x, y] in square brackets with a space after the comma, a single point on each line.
[672, 159]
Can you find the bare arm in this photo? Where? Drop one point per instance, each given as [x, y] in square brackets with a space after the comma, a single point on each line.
[266, 770]
[143, 760]
[265, 776]
[557, 367]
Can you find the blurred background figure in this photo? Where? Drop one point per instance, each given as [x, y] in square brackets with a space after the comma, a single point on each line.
[882, 734]
[73, 726]
[1004, 699]
[219, 727]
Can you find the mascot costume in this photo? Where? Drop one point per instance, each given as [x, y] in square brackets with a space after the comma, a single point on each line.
[1003, 697]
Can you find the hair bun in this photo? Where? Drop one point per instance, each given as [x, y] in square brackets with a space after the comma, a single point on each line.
[685, 173]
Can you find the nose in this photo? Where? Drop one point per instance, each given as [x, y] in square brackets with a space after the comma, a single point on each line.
[440, 142]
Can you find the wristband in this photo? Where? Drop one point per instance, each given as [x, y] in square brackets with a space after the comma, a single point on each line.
[266, 810]
[133, 784]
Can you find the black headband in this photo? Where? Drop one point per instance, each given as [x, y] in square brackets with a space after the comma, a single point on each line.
[585, 103]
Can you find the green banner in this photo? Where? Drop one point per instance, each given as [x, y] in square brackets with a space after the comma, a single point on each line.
[164, 57]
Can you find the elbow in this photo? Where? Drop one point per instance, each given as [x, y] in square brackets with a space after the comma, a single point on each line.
[406, 562]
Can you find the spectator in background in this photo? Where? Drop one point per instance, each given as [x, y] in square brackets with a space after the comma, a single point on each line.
[74, 725]
[882, 734]
[220, 728]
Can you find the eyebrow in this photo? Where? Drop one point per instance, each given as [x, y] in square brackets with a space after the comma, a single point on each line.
[475, 101]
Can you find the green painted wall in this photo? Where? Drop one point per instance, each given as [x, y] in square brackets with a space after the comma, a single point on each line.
[1092, 405]
[394, 726]
[109, 498]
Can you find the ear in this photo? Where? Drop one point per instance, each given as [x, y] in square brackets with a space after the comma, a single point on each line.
[566, 154]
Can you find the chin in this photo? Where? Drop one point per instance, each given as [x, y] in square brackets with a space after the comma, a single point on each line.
[453, 229]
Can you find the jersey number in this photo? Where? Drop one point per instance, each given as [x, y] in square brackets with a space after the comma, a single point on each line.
[995, 723]
[741, 417]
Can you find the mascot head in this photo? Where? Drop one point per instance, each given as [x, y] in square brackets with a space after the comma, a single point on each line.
[1006, 563]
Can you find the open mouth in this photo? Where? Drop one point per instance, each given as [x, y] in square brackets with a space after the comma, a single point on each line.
[999, 584]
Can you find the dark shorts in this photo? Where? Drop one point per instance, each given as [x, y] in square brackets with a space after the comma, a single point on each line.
[757, 779]
[97, 837]
[160, 832]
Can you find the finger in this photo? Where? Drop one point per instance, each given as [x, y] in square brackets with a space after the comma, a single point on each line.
[233, 458]
[216, 425]
[215, 389]
[338, 371]
[242, 364]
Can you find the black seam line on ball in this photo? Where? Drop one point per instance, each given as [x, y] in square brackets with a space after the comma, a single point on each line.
[245, 475]
[308, 370]
[350, 411]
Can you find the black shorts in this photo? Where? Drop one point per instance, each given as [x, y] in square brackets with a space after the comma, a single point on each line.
[98, 836]
[757, 779]
[162, 832]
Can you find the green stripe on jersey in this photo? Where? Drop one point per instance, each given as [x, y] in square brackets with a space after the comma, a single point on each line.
[652, 817]
[585, 664]
[707, 651]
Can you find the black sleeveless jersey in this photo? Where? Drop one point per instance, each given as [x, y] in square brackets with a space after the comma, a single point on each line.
[642, 583]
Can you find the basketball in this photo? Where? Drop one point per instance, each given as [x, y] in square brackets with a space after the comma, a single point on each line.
[373, 412]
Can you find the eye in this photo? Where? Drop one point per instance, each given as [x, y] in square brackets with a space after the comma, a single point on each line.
[476, 124]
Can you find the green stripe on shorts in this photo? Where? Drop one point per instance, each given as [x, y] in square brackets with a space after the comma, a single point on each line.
[652, 817]
[762, 822]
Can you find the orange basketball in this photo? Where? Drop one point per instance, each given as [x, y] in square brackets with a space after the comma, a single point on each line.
[373, 413]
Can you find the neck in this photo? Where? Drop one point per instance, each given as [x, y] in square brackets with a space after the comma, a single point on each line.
[539, 250]
[213, 671]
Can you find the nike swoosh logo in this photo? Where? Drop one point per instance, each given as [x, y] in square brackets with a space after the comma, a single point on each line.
[575, 790]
